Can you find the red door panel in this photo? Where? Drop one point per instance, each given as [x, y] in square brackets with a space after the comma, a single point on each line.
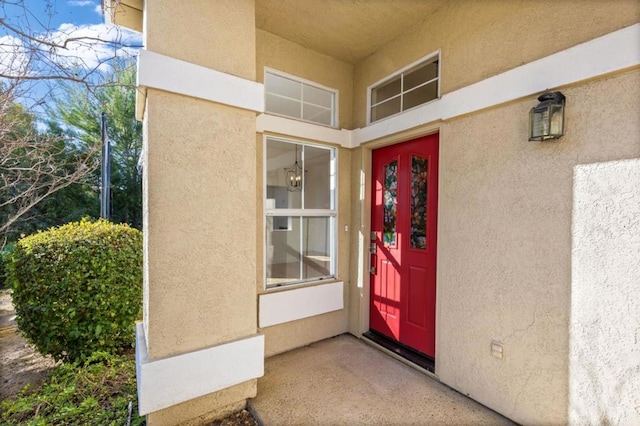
[416, 295]
[404, 221]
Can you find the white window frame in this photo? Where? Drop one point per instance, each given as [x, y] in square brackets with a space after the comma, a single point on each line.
[415, 64]
[334, 101]
[332, 213]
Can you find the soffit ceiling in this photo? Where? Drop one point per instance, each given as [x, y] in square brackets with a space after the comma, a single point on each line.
[136, 4]
[349, 30]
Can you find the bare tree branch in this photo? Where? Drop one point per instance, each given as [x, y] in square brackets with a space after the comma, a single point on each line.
[44, 42]
[34, 166]
[35, 59]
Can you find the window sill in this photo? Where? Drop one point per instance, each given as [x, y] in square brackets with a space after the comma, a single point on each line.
[301, 302]
[275, 288]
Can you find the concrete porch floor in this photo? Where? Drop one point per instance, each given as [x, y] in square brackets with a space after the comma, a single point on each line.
[345, 381]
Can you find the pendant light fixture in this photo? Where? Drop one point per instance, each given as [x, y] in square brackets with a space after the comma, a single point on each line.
[293, 175]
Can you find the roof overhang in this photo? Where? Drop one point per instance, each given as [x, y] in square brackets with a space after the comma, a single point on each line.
[348, 30]
[125, 13]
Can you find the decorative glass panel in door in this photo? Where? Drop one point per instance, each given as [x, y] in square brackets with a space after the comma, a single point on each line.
[418, 202]
[390, 200]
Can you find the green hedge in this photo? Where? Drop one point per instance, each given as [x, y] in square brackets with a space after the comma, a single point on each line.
[77, 289]
[5, 258]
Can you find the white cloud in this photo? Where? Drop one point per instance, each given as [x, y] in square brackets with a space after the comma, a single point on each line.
[85, 52]
[80, 3]
[98, 9]
[90, 46]
[13, 56]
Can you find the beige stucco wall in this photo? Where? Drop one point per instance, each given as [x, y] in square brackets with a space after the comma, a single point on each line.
[293, 334]
[504, 249]
[504, 268]
[200, 172]
[203, 410]
[605, 298]
[199, 166]
[283, 55]
[484, 38]
[218, 35]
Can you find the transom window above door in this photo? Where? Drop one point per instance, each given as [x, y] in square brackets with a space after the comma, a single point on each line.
[413, 85]
[293, 97]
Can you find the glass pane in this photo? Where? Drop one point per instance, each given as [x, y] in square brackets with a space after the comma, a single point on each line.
[316, 237]
[317, 179]
[420, 75]
[419, 202]
[283, 250]
[421, 95]
[539, 122]
[386, 90]
[385, 109]
[277, 197]
[317, 114]
[390, 200]
[556, 120]
[283, 86]
[280, 157]
[317, 96]
[283, 106]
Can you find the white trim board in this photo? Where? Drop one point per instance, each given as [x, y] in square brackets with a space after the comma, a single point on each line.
[302, 129]
[603, 55]
[610, 53]
[173, 75]
[169, 381]
[290, 305]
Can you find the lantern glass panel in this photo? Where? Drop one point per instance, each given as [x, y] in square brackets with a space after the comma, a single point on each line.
[556, 121]
[539, 122]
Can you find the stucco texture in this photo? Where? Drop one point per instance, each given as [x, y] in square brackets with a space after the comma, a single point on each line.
[199, 184]
[218, 35]
[504, 249]
[284, 55]
[205, 409]
[505, 209]
[605, 297]
[483, 38]
[201, 233]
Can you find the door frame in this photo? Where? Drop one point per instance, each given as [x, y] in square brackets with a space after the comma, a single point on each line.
[363, 283]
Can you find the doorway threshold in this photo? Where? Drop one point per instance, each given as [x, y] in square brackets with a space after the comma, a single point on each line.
[411, 355]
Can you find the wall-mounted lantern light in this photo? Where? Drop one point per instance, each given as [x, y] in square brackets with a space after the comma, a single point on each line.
[546, 120]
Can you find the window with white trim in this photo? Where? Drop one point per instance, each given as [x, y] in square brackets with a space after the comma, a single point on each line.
[406, 89]
[300, 222]
[295, 98]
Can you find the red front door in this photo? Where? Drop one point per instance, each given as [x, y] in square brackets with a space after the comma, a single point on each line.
[403, 220]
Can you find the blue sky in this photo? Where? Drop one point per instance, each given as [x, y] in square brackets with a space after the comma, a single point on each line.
[77, 12]
[55, 22]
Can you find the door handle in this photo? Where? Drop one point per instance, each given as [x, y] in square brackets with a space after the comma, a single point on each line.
[372, 262]
[370, 267]
[373, 248]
